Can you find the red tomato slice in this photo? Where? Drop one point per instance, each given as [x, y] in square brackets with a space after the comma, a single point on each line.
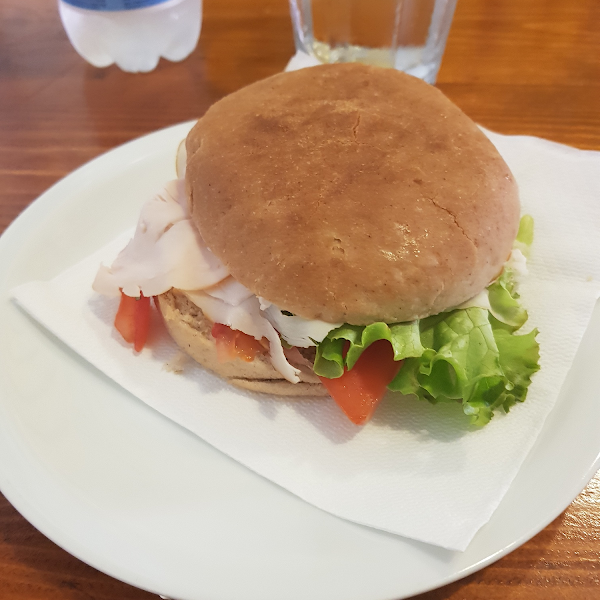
[125, 318]
[359, 390]
[132, 320]
[142, 322]
[225, 342]
[232, 343]
[247, 347]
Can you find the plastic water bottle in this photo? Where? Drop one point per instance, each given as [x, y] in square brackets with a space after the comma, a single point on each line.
[132, 33]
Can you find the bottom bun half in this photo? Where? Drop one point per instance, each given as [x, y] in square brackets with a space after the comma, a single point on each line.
[191, 331]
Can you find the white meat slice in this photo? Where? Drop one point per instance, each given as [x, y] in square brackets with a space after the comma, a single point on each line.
[166, 252]
[295, 330]
[229, 290]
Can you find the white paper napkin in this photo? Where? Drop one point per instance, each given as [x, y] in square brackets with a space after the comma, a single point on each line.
[416, 470]
[301, 60]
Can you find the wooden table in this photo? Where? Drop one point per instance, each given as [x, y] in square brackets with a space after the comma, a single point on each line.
[528, 67]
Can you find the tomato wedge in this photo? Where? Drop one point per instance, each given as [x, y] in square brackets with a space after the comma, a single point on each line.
[133, 320]
[232, 344]
[359, 390]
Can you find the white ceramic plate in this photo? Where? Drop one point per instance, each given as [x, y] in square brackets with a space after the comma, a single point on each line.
[144, 500]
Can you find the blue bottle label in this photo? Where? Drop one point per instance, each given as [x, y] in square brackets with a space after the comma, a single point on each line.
[113, 4]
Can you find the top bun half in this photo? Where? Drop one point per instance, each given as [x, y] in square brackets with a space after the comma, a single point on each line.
[350, 193]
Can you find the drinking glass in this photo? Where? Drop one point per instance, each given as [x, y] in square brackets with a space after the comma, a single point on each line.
[409, 35]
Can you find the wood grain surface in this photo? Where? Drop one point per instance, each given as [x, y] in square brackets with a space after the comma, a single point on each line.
[527, 67]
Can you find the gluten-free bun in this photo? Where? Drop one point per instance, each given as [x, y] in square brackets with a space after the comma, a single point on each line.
[350, 193]
[191, 330]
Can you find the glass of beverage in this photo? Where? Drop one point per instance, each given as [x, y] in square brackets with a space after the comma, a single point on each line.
[409, 35]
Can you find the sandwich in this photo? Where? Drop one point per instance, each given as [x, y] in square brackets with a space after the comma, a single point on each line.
[339, 230]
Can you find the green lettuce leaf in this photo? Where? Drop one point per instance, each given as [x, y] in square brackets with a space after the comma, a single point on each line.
[468, 359]
[329, 362]
[519, 359]
[461, 363]
[504, 302]
[525, 235]
[502, 293]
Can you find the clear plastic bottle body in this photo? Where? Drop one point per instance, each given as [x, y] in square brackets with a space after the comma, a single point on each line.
[134, 39]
